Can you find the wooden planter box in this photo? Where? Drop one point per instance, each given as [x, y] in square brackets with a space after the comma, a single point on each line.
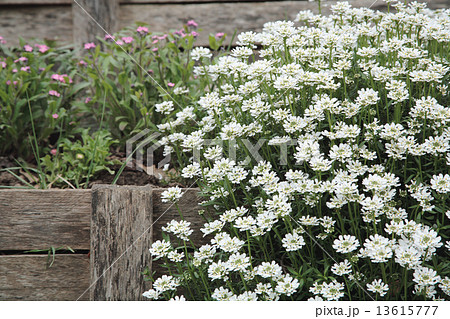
[110, 228]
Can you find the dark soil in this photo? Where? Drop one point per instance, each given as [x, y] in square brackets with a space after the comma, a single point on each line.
[129, 176]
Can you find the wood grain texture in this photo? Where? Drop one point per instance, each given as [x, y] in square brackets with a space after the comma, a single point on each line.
[56, 22]
[163, 213]
[40, 219]
[28, 278]
[121, 235]
[90, 17]
[228, 17]
[69, 2]
[52, 22]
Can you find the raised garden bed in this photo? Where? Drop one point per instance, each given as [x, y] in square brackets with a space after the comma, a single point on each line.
[101, 225]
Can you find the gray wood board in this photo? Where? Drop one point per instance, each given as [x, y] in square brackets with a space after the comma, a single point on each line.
[40, 219]
[28, 278]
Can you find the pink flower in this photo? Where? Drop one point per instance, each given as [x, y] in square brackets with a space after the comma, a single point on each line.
[150, 71]
[25, 69]
[195, 34]
[54, 93]
[192, 23]
[42, 48]
[109, 37]
[61, 78]
[90, 45]
[179, 32]
[142, 30]
[14, 70]
[119, 42]
[163, 37]
[170, 84]
[53, 151]
[219, 35]
[127, 39]
[155, 49]
[55, 116]
[3, 64]
[9, 82]
[87, 100]
[155, 41]
[2, 41]
[21, 59]
[28, 48]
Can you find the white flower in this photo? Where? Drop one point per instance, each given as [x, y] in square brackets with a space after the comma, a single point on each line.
[345, 244]
[244, 223]
[218, 270]
[287, 285]
[379, 287]
[175, 257]
[269, 270]
[191, 170]
[178, 298]
[367, 97]
[441, 183]
[205, 253]
[238, 262]
[246, 296]
[160, 248]
[180, 229]
[332, 291]
[293, 242]
[173, 194]
[424, 276]
[343, 268]
[165, 107]
[151, 294]
[222, 294]
[200, 52]
[377, 248]
[165, 283]
[211, 227]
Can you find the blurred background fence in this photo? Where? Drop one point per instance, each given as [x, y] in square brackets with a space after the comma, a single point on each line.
[65, 21]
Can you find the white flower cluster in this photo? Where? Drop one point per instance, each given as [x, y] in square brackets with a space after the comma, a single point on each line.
[337, 139]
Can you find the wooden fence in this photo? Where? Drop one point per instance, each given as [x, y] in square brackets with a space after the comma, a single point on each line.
[66, 21]
[110, 228]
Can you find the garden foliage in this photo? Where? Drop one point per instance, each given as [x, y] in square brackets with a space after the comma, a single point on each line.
[323, 160]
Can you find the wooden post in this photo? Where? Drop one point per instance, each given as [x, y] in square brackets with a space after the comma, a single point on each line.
[121, 235]
[90, 17]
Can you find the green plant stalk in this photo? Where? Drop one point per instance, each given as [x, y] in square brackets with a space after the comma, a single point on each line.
[91, 164]
[36, 148]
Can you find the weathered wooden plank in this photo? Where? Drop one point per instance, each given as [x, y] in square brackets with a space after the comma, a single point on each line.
[55, 22]
[69, 2]
[228, 17]
[34, 2]
[91, 18]
[27, 277]
[121, 234]
[40, 219]
[36, 22]
[163, 213]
